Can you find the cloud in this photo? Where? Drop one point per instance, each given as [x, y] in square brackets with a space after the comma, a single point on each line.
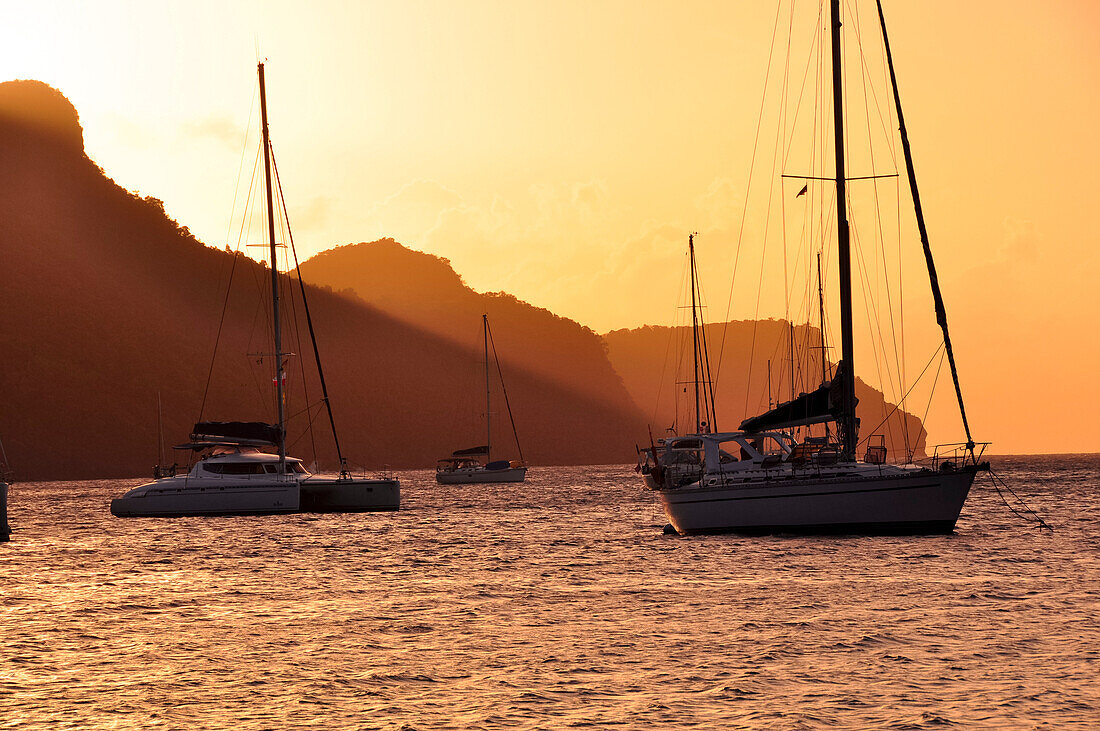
[219, 129]
[564, 245]
[314, 214]
[412, 211]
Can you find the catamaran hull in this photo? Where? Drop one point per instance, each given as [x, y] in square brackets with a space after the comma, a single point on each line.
[349, 496]
[477, 477]
[920, 503]
[193, 500]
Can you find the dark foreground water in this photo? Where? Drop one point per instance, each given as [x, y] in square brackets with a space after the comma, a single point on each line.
[554, 604]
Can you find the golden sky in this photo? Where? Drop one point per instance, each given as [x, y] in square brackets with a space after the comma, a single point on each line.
[562, 151]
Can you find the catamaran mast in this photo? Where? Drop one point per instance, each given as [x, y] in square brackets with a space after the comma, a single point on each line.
[279, 373]
[941, 311]
[488, 423]
[847, 374]
[694, 333]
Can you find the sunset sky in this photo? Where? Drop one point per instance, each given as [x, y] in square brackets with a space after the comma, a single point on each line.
[562, 151]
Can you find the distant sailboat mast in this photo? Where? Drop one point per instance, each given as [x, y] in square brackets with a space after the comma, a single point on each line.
[705, 413]
[279, 372]
[488, 417]
[694, 333]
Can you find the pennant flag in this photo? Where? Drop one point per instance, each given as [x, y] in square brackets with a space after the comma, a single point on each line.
[803, 191]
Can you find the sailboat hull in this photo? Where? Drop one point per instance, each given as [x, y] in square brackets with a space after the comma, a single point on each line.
[181, 496]
[349, 495]
[480, 476]
[5, 529]
[922, 502]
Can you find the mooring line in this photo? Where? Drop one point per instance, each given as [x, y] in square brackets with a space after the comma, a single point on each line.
[995, 479]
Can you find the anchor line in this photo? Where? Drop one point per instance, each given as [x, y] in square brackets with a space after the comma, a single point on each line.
[994, 480]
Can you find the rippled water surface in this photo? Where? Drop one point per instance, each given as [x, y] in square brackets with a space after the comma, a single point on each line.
[553, 604]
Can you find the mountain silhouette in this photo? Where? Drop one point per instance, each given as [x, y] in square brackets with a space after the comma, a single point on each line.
[656, 366]
[423, 290]
[107, 303]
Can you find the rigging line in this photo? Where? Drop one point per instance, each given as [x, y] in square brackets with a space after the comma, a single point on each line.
[874, 322]
[309, 319]
[240, 167]
[896, 407]
[504, 390]
[931, 393]
[878, 218]
[782, 143]
[292, 315]
[712, 416]
[802, 86]
[306, 409]
[846, 90]
[846, 177]
[308, 429]
[878, 107]
[941, 311]
[748, 186]
[228, 290]
[776, 154]
[893, 139]
[664, 362]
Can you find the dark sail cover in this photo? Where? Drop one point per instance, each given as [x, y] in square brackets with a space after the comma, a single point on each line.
[815, 407]
[471, 452]
[241, 432]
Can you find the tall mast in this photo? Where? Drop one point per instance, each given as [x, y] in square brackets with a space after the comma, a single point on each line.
[160, 434]
[941, 311]
[790, 353]
[279, 373]
[694, 332]
[821, 318]
[847, 373]
[488, 417]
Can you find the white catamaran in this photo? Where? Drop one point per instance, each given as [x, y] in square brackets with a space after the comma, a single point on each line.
[475, 465]
[235, 475]
[760, 479]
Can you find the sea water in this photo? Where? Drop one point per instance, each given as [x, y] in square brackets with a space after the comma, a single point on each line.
[556, 603]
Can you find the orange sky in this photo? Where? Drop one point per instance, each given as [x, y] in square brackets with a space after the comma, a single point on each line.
[563, 151]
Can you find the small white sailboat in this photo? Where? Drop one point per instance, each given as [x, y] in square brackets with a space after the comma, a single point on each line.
[235, 475]
[475, 465]
[760, 479]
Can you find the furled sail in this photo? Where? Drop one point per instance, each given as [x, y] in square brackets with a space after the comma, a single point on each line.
[471, 452]
[237, 432]
[821, 405]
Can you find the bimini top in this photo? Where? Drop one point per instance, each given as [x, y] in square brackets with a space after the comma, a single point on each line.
[217, 433]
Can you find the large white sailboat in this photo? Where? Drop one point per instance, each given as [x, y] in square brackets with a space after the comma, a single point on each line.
[475, 465]
[761, 479]
[235, 475]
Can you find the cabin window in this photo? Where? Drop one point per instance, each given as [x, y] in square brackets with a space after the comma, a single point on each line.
[684, 456]
[725, 457]
[732, 451]
[768, 445]
[270, 469]
[235, 468]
